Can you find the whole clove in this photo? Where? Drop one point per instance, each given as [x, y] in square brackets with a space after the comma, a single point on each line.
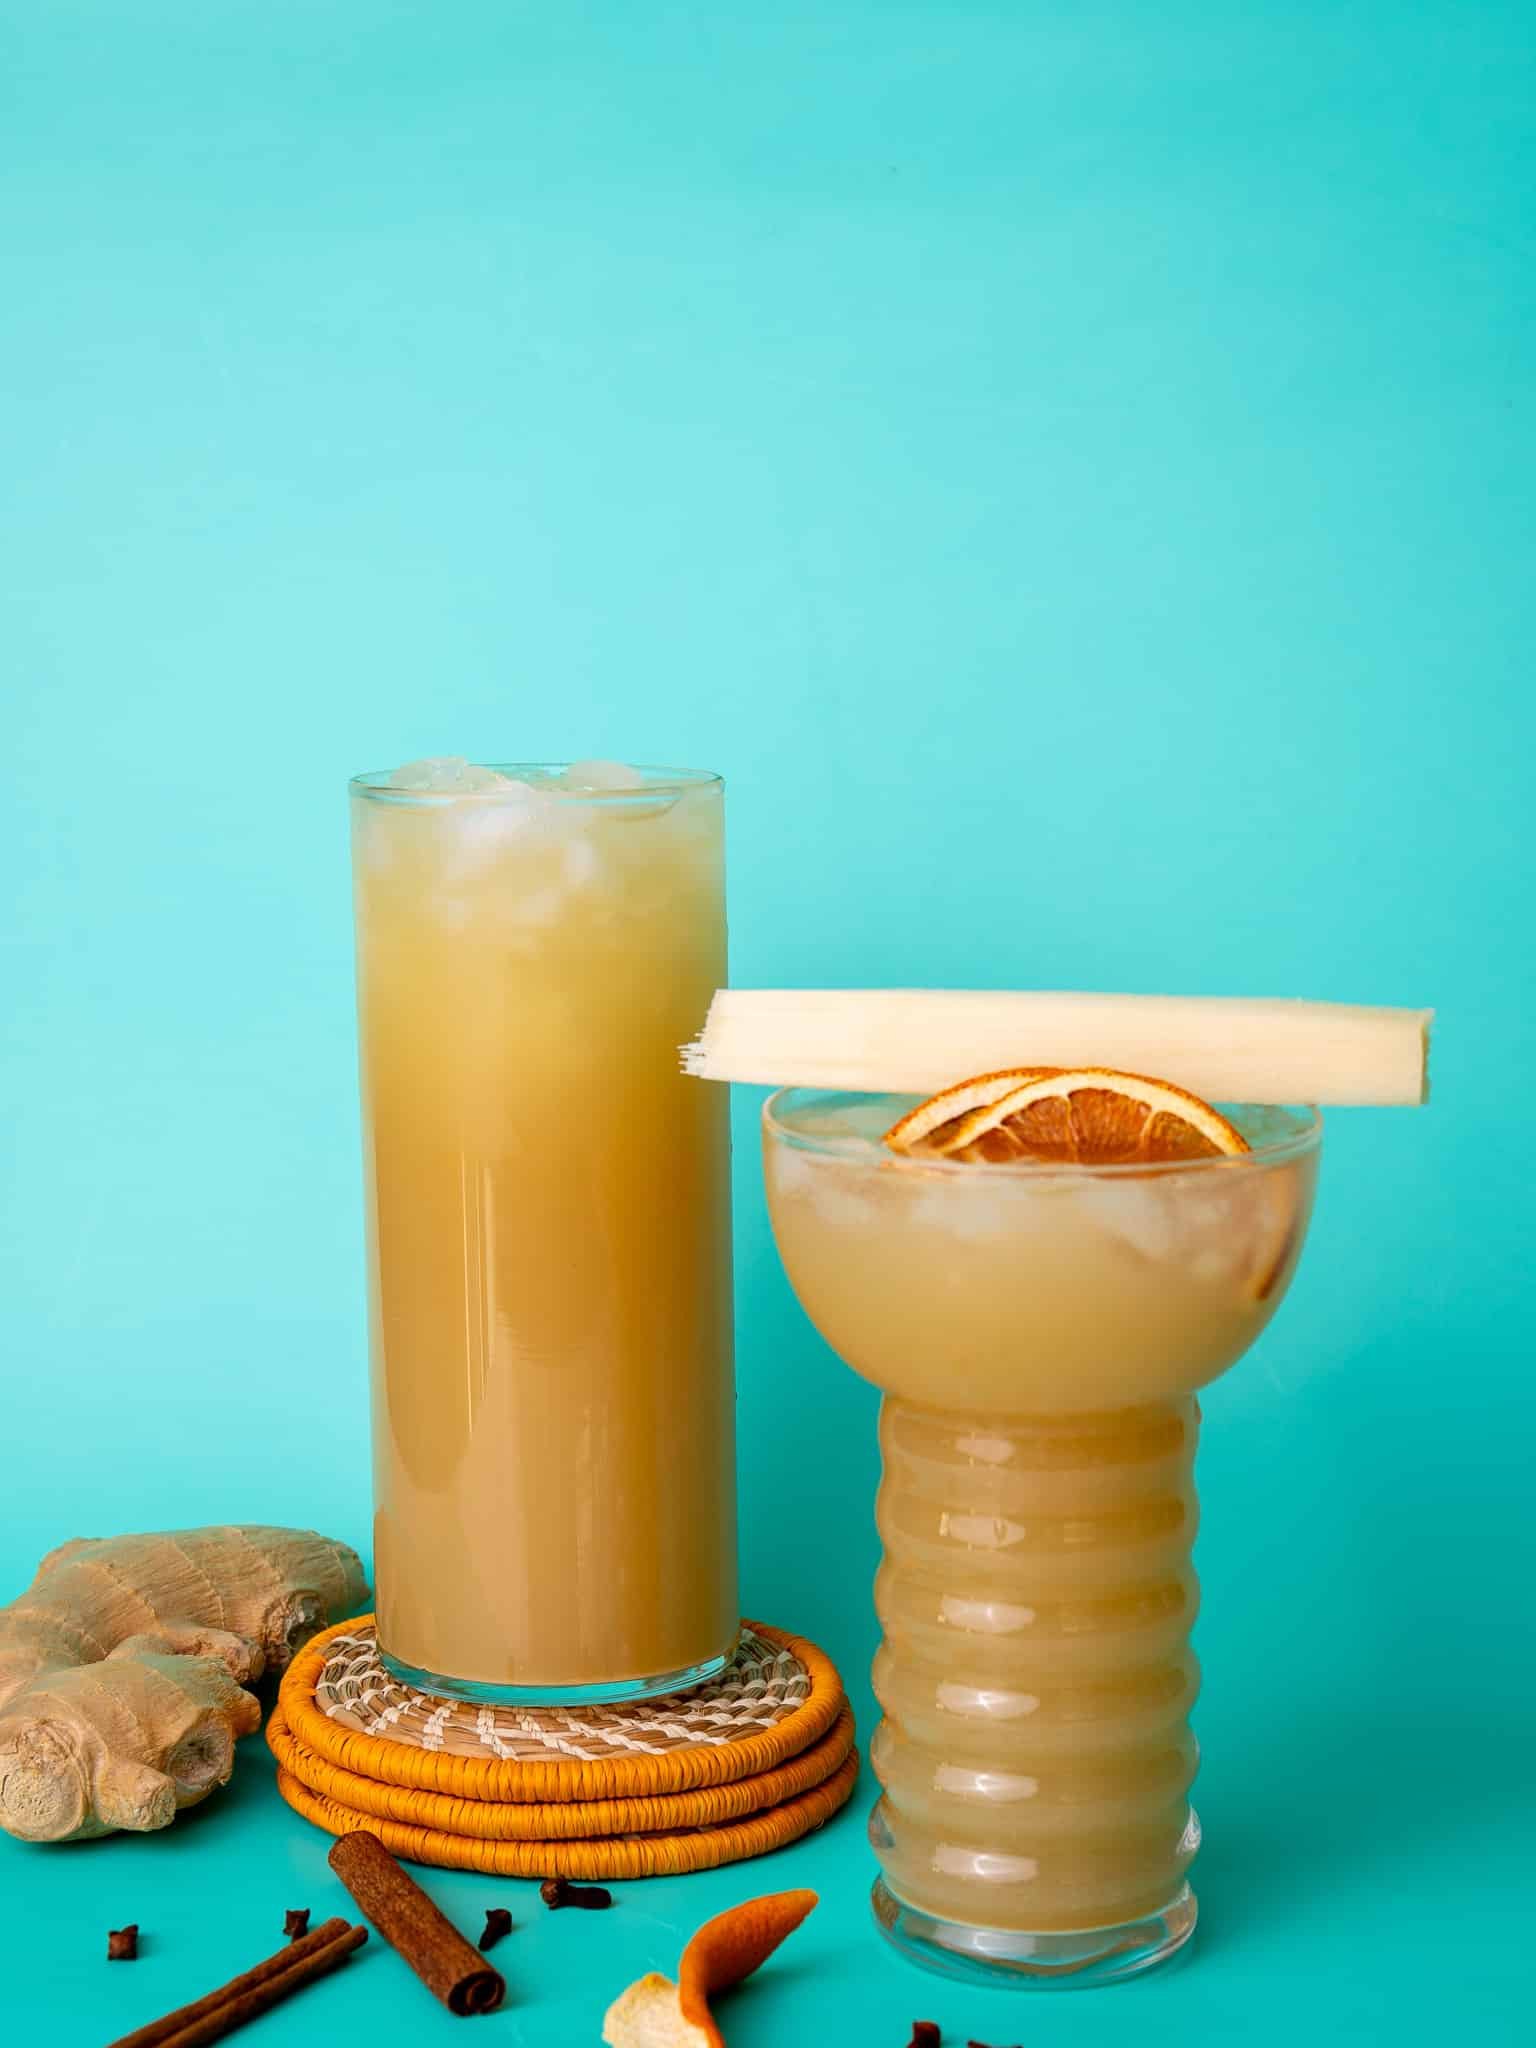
[498, 1925]
[123, 1943]
[925, 2034]
[559, 1891]
[296, 1922]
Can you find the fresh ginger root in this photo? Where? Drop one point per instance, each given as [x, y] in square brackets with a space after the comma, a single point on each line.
[656, 2013]
[123, 1668]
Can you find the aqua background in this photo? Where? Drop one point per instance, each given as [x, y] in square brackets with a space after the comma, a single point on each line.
[1071, 469]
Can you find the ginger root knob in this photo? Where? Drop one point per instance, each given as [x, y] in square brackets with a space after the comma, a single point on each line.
[123, 1669]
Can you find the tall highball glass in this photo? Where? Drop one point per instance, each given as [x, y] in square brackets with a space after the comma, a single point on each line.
[548, 1233]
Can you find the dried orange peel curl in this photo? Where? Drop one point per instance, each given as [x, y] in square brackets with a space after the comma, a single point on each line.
[656, 2013]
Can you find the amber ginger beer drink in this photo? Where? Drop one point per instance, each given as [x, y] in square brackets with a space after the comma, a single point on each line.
[1040, 1333]
[548, 1228]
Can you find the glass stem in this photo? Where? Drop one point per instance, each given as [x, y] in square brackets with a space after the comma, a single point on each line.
[1036, 1596]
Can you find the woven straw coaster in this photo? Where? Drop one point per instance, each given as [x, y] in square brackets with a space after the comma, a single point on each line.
[749, 1761]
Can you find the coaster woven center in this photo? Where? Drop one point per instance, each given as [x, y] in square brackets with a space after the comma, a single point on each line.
[763, 1684]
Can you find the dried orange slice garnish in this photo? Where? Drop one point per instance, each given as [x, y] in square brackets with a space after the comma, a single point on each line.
[929, 1127]
[1088, 1116]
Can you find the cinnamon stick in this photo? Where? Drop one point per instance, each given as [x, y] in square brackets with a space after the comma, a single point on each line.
[252, 1993]
[401, 1911]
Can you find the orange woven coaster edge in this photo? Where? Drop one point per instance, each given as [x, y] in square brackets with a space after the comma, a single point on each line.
[575, 1820]
[621, 1859]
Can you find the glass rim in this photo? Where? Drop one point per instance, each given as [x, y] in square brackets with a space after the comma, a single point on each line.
[1297, 1144]
[374, 785]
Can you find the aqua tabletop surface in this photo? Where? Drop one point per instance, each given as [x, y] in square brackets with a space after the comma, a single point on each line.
[1071, 469]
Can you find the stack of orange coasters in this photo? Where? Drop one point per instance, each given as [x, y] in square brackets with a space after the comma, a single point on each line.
[746, 1763]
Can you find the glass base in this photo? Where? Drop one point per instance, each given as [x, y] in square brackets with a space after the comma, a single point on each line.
[999, 1956]
[613, 1693]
